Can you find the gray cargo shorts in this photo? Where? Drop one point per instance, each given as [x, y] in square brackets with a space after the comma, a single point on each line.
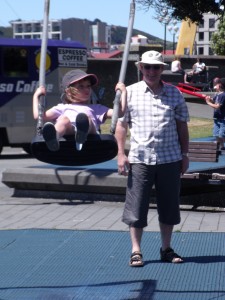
[141, 178]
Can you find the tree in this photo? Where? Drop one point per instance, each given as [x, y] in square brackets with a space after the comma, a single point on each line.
[218, 39]
[185, 9]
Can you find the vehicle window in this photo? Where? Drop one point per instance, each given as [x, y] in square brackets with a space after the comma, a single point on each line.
[15, 62]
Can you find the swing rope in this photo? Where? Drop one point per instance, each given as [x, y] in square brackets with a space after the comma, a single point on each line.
[123, 67]
[42, 102]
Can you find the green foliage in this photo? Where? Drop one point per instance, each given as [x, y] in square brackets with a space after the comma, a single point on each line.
[185, 9]
[6, 32]
[218, 39]
[198, 127]
[193, 9]
[118, 35]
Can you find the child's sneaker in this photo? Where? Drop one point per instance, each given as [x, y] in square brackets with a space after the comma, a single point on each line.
[50, 136]
[81, 131]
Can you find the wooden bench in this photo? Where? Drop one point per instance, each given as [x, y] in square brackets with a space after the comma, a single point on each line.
[201, 151]
[204, 151]
[201, 188]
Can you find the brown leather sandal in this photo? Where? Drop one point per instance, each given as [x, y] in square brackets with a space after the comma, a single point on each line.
[168, 255]
[136, 259]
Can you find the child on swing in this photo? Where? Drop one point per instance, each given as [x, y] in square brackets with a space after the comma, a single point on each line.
[76, 115]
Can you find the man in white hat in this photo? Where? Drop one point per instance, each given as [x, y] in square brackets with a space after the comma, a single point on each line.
[157, 117]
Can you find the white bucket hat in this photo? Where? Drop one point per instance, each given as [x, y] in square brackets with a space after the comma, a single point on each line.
[151, 58]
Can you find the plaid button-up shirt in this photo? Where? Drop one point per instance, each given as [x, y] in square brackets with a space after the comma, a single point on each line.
[152, 123]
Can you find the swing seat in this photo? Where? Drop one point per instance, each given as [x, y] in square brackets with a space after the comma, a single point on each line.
[96, 149]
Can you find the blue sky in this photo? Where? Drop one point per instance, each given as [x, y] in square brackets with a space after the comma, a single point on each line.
[113, 12]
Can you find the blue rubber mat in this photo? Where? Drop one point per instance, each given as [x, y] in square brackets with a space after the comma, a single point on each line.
[63, 264]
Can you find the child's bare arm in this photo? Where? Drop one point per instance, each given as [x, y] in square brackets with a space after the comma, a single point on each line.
[40, 91]
[49, 115]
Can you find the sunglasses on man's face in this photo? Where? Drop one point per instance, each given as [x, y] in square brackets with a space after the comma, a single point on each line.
[154, 67]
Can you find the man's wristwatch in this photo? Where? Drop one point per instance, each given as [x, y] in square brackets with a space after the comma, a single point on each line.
[185, 154]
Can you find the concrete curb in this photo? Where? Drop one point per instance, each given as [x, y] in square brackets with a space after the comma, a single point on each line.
[65, 180]
[96, 185]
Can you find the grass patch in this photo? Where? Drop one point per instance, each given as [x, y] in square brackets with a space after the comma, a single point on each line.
[105, 128]
[198, 128]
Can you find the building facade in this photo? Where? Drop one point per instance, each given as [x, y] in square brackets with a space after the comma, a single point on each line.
[33, 29]
[96, 36]
[204, 32]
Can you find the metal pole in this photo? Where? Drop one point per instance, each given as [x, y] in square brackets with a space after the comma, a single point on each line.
[41, 102]
[123, 67]
[165, 39]
[173, 43]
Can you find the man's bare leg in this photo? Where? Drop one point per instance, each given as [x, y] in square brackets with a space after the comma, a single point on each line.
[166, 235]
[136, 256]
[136, 235]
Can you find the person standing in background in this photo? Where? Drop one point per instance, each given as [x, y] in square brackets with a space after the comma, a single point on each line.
[218, 103]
